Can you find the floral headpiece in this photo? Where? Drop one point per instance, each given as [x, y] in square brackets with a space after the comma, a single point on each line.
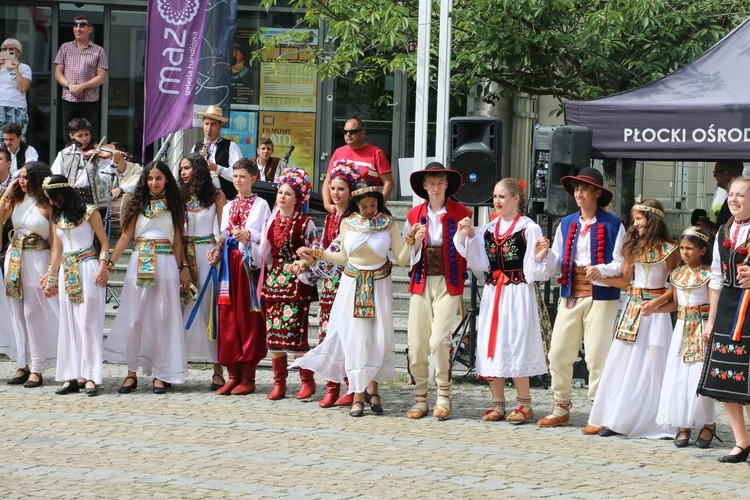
[347, 170]
[299, 180]
[47, 186]
[640, 207]
[695, 231]
[364, 190]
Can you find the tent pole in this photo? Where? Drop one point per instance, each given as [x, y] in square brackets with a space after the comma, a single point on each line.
[618, 186]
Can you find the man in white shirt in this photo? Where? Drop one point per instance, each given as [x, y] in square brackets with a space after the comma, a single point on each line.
[220, 153]
[20, 152]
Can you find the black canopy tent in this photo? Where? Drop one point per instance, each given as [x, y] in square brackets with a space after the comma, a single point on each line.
[699, 112]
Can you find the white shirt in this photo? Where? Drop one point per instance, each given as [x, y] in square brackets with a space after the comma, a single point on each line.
[223, 171]
[31, 155]
[10, 95]
[106, 167]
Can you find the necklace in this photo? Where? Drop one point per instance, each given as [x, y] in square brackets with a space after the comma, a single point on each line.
[500, 238]
[283, 228]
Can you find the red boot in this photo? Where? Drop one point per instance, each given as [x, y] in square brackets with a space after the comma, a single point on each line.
[247, 386]
[332, 394]
[308, 384]
[280, 373]
[347, 398]
[233, 372]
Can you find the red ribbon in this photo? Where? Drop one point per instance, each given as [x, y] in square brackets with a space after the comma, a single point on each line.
[500, 280]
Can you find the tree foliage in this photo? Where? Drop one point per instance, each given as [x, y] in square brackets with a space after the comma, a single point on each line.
[574, 49]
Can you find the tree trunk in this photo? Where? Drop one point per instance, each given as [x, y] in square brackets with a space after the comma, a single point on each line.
[624, 193]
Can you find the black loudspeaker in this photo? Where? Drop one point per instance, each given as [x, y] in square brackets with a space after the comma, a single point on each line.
[476, 144]
[569, 152]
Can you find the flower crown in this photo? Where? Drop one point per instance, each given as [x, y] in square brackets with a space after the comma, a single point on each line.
[47, 186]
[640, 207]
[364, 190]
[299, 180]
[695, 231]
[347, 170]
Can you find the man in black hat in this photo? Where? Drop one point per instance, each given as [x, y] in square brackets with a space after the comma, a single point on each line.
[436, 284]
[587, 247]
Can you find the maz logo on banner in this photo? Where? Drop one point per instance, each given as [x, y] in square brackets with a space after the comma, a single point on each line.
[171, 80]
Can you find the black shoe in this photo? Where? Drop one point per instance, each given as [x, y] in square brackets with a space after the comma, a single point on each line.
[360, 411]
[735, 459]
[68, 387]
[90, 391]
[127, 389]
[682, 442]
[705, 443]
[367, 397]
[606, 432]
[30, 384]
[376, 407]
[20, 379]
[216, 386]
[160, 389]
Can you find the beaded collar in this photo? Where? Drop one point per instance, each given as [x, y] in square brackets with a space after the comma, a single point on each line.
[193, 203]
[64, 223]
[381, 222]
[690, 277]
[155, 207]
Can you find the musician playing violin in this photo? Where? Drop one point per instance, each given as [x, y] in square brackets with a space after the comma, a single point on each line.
[85, 169]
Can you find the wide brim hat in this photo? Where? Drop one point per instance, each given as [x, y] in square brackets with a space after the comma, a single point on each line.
[592, 177]
[417, 179]
[214, 113]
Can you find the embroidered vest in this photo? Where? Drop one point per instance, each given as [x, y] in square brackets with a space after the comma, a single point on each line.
[221, 157]
[453, 264]
[507, 257]
[730, 259]
[611, 226]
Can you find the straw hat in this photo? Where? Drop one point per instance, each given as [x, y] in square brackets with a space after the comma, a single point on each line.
[214, 113]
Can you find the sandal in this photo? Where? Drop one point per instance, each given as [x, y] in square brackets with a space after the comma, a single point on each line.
[705, 443]
[376, 407]
[127, 389]
[520, 415]
[360, 411]
[493, 415]
[215, 386]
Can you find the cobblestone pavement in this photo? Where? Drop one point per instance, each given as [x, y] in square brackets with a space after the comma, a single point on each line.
[191, 443]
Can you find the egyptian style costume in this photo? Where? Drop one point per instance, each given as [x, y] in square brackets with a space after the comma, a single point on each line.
[79, 346]
[148, 331]
[679, 405]
[33, 317]
[628, 397]
[726, 368]
[509, 337]
[359, 342]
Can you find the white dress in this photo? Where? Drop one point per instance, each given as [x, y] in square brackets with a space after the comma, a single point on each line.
[200, 222]
[628, 397]
[519, 350]
[360, 349]
[679, 405]
[148, 331]
[79, 347]
[34, 317]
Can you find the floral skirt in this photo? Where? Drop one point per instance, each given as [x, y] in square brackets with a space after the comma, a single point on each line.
[286, 325]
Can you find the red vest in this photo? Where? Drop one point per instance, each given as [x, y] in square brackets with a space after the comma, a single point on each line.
[453, 264]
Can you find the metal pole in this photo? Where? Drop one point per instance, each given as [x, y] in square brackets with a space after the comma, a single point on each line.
[423, 88]
[443, 82]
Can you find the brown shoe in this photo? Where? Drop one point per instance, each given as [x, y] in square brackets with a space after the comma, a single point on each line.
[590, 429]
[520, 415]
[493, 415]
[420, 408]
[553, 420]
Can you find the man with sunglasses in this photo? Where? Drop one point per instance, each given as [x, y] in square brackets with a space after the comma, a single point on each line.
[80, 68]
[371, 160]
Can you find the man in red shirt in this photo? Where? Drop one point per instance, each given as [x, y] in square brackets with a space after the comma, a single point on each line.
[371, 160]
[80, 68]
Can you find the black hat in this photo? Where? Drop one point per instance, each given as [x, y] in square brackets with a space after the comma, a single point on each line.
[417, 179]
[592, 177]
[701, 216]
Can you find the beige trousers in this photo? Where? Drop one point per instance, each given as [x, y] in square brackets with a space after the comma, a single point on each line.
[431, 319]
[590, 320]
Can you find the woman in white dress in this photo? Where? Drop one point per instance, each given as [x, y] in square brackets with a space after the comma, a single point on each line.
[509, 339]
[204, 204]
[628, 397]
[80, 278]
[34, 317]
[148, 331]
[359, 342]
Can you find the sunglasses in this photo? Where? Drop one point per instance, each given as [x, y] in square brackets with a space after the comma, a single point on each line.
[352, 131]
[80, 25]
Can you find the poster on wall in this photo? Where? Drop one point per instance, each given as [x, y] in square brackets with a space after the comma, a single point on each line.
[244, 76]
[287, 82]
[287, 129]
[243, 129]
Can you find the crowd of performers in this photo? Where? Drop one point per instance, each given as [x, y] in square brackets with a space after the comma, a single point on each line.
[230, 281]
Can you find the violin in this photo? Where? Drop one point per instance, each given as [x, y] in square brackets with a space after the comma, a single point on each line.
[106, 151]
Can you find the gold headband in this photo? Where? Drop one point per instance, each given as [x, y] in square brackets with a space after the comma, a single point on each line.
[364, 190]
[47, 186]
[646, 208]
[694, 231]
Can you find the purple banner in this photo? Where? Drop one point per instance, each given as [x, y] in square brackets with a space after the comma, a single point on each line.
[173, 44]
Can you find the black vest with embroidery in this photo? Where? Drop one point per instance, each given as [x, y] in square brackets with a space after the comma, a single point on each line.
[221, 158]
[506, 257]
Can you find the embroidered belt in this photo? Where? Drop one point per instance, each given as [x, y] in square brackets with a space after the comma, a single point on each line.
[581, 286]
[147, 250]
[434, 264]
[364, 292]
[190, 243]
[627, 329]
[32, 241]
[72, 275]
[692, 331]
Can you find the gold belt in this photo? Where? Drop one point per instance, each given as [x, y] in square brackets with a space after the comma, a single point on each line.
[147, 250]
[32, 241]
[72, 275]
[364, 296]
